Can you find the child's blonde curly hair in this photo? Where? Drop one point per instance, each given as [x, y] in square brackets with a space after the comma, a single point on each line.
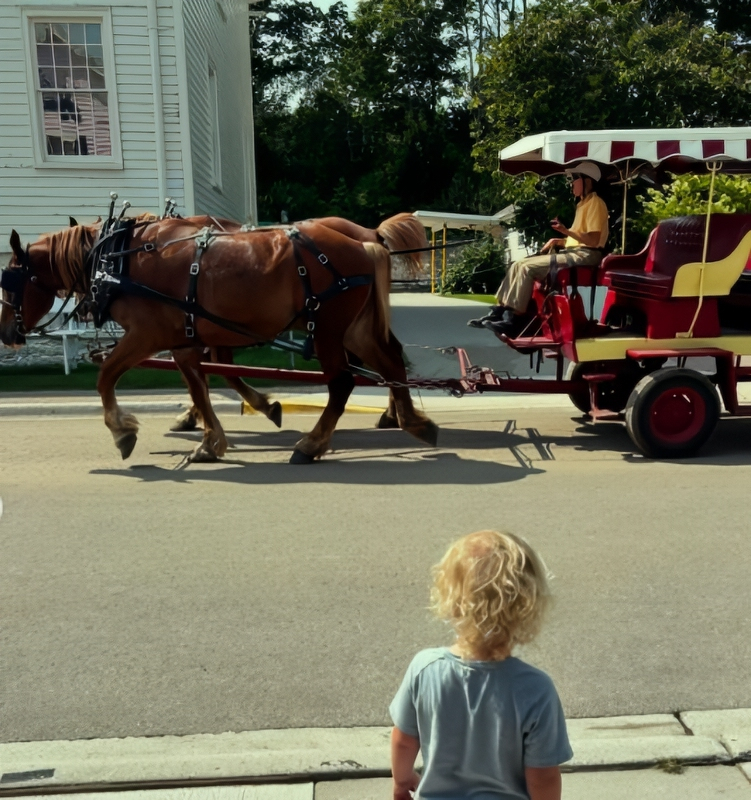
[493, 589]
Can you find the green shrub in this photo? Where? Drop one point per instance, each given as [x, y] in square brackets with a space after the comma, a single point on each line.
[478, 269]
[689, 194]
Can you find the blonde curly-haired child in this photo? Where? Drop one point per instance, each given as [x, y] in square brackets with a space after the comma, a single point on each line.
[490, 727]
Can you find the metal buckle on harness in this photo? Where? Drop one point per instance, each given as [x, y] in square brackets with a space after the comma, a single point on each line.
[194, 268]
[343, 285]
[312, 304]
[189, 332]
[322, 258]
[311, 326]
[148, 247]
[302, 271]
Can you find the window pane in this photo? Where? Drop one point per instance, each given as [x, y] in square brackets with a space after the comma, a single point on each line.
[70, 64]
[63, 79]
[59, 32]
[78, 55]
[42, 32]
[95, 55]
[93, 33]
[44, 55]
[96, 78]
[76, 33]
[77, 123]
[62, 55]
[80, 78]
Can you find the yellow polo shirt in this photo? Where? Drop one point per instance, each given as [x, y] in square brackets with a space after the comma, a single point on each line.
[591, 215]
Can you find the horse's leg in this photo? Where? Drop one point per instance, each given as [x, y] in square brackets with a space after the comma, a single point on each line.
[385, 357]
[389, 418]
[341, 382]
[257, 401]
[214, 443]
[128, 352]
[190, 419]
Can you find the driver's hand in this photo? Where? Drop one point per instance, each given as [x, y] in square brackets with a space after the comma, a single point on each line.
[548, 246]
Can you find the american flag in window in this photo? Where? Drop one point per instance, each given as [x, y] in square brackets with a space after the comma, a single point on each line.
[71, 83]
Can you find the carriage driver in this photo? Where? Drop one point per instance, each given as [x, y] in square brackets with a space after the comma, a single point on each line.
[583, 246]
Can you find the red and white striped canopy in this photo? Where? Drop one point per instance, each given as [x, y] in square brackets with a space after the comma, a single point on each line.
[669, 149]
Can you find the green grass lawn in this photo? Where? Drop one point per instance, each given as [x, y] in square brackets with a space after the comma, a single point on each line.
[53, 379]
[480, 298]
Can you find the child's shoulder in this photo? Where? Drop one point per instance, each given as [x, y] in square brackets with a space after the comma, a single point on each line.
[427, 657]
[529, 676]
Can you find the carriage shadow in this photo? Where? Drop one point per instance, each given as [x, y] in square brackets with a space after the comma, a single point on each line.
[384, 457]
[402, 468]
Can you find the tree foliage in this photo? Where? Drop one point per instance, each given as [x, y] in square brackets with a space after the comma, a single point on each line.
[598, 64]
[689, 194]
[377, 112]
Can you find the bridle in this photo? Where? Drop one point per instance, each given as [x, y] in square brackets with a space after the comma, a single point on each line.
[13, 281]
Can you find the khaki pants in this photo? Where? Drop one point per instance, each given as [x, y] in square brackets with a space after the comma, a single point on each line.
[516, 290]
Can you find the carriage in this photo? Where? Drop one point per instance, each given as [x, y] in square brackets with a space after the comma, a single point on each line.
[686, 295]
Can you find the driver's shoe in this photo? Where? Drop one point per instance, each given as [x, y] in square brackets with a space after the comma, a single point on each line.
[494, 315]
[508, 323]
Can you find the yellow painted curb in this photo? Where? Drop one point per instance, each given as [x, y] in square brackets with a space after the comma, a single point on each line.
[293, 407]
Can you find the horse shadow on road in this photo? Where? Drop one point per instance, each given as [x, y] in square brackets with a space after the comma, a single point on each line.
[378, 457]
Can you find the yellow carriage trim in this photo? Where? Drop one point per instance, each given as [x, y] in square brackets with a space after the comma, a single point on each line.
[613, 348]
[719, 276]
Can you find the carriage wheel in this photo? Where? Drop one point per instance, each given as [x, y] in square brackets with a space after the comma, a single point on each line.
[672, 412]
[612, 395]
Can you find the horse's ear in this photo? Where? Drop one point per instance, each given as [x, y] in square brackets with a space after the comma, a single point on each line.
[15, 244]
[73, 222]
[98, 220]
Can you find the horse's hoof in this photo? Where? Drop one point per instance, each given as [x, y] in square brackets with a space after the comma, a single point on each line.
[202, 455]
[387, 421]
[275, 414]
[187, 424]
[298, 457]
[428, 433]
[126, 443]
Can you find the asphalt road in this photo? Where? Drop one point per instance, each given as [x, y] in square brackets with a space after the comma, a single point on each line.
[140, 600]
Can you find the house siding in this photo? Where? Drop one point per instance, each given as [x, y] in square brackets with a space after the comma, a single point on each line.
[35, 199]
[220, 38]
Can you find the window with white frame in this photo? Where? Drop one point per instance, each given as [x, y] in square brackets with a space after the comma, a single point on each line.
[71, 76]
[215, 165]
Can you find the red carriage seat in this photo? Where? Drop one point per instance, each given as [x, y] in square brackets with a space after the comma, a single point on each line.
[645, 281]
[675, 242]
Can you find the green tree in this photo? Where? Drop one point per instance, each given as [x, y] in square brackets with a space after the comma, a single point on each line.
[591, 64]
[599, 64]
[689, 194]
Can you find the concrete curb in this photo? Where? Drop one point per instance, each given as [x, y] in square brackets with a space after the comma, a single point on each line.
[319, 754]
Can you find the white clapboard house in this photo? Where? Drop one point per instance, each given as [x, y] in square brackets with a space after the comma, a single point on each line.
[147, 98]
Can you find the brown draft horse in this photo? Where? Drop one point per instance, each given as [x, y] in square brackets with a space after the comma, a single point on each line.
[400, 232]
[248, 278]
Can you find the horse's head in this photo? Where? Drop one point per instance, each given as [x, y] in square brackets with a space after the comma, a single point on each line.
[36, 274]
[27, 296]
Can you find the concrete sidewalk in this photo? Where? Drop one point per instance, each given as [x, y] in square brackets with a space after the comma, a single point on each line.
[691, 756]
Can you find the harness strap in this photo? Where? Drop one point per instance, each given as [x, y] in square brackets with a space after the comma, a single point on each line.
[203, 240]
[312, 300]
[127, 286]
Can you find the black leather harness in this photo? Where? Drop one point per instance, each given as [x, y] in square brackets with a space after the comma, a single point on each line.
[109, 269]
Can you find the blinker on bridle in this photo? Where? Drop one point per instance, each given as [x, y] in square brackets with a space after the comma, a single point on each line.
[13, 281]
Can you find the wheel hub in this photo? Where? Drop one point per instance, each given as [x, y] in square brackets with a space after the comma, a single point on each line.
[678, 414]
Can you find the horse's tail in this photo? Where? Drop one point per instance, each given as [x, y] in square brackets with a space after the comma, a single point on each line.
[404, 232]
[382, 267]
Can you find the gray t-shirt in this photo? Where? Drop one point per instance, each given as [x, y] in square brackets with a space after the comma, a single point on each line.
[480, 724]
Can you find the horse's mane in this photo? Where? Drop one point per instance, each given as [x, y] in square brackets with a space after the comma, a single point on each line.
[68, 251]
